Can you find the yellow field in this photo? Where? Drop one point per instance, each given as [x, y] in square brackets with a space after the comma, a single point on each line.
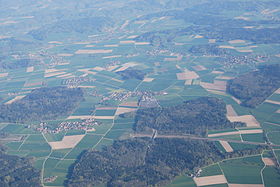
[17, 98]
[210, 180]
[93, 51]
[67, 142]
[248, 119]
[254, 131]
[226, 146]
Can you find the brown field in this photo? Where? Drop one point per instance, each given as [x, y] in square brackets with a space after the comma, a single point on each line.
[278, 55]
[142, 43]
[33, 84]
[188, 82]
[3, 75]
[226, 47]
[268, 162]
[198, 36]
[225, 77]
[90, 45]
[106, 108]
[29, 69]
[80, 117]
[65, 54]
[178, 58]
[179, 44]
[217, 92]
[245, 50]
[87, 71]
[130, 104]
[123, 110]
[210, 180]
[199, 68]
[82, 43]
[248, 119]
[127, 42]
[236, 100]
[86, 86]
[112, 45]
[217, 72]
[17, 98]
[117, 80]
[55, 42]
[54, 74]
[231, 111]
[273, 102]
[104, 117]
[277, 91]
[111, 68]
[115, 56]
[67, 142]
[236, 41]
[212, 41]
[217, 85]
[126, 65]
[226, 146]
[132, 36]
[93, 51]
[148, 79]
[245, 185]
[3, 37]
[8, 22]
[187, 75]
[278, 111]
[242, 18]
[254, 131]
[65, 75]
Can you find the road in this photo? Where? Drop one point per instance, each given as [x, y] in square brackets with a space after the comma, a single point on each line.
[200, 138]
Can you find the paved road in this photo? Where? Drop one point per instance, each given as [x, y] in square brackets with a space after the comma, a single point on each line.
[200, 138]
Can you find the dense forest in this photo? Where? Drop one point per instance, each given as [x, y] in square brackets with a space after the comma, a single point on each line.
[254, 87]
[131, 73]
[17, 172]
[42, 104]
[145, 162]
[192, 117]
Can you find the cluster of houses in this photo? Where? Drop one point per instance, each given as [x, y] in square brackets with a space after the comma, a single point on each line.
[76, 81]
[87, 125]
[242, 60]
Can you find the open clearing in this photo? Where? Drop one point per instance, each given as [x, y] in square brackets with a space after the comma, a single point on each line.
[236, 41]
[248, 119]
[123, 110]
[231, 111]
[253, 131]
[226, 146]
[17, 98]
[29, 69]
[210, 180]
[67, 142]
[187, 75]
[93, 51]
[217, 85]
[273, 102]
[268, 162]
[148, 79]
[3, 75]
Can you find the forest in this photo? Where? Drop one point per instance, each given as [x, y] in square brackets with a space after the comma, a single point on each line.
[17, 172]
[254, 87]
[192, 117]
[131, 73]
[146, 162]
[42, 104]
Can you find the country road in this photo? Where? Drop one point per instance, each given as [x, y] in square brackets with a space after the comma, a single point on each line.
[200, 138]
